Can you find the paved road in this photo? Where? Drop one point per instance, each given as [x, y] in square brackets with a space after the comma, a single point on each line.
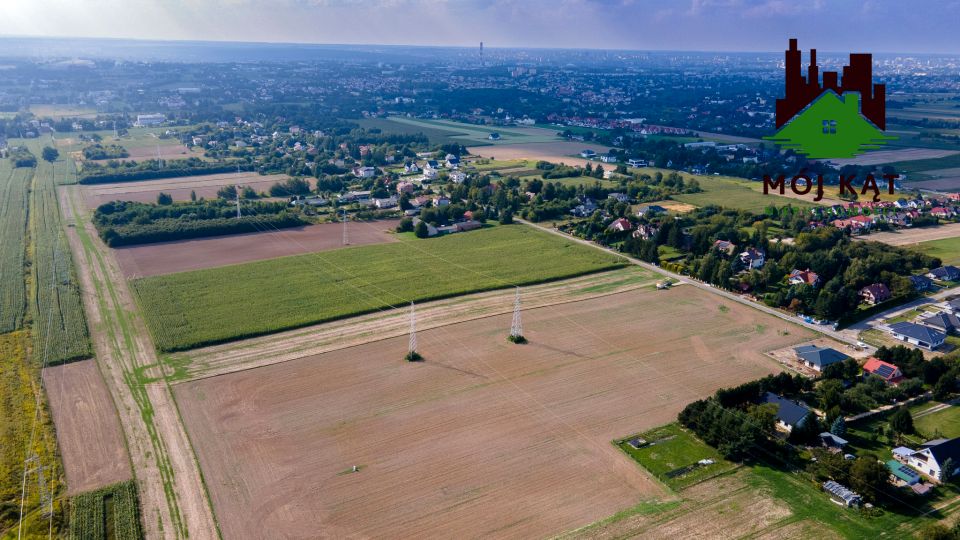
[826, 330]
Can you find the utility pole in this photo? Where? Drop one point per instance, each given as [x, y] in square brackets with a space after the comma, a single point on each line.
[238, 201]
[412, 354]
[516, 327]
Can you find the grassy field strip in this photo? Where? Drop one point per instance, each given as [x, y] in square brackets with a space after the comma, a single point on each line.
[14, 187]
[267, 350]
[163, 467]
[55, 296]
[211, 306]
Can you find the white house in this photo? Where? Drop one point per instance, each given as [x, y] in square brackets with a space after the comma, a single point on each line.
[364, 172]
[753, 258]
[609, 158]
[430, 174]
[637, 162]
[933, 455]
[458, 177]
[588, 154]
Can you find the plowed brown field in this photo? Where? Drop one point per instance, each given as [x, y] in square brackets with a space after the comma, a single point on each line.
[484, 438]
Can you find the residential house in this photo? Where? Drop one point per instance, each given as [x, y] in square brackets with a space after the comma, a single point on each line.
[799, 277]
[645, 232]
[725, 246]
[832, 441]
[362, 197]
[875, 293]
[890, 373]
[953, 306]
[941, 212]
[458, 177]
[818, 357]
[855, 223]
[430, 174]
[921, 283]
[588, 154]
[609, 158]
[620, 225]
[944, 273]
[494, 136]
[453, 162]
[383, 203]
[790, 414]
[619, 197]
[945, 322]
[915, 334]
[364, 172]
[440, 200]
[585, 208]
[753, 258]
[431, 164]
[411, 168]
[650, 210]
[930, 459]
[405, 187]
[637, 162]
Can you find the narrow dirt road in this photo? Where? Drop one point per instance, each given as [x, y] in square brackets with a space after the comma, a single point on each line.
[173, 500]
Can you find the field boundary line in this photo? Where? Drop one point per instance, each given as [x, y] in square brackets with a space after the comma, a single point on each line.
[419, 329]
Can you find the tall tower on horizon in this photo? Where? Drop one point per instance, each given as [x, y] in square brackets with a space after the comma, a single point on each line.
[481, 54]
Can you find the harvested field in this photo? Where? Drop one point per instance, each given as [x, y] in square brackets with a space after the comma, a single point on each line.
[147, 190]
[951, 183]
[88, 429]
[169, 257]
[904, 237]
[555, 152]
[891, 156]
[166, 150]
[449, 446]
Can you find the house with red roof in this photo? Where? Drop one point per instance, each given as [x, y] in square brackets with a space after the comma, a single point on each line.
[890, 373]
[941, 212]
[620, 225]
[800, 277]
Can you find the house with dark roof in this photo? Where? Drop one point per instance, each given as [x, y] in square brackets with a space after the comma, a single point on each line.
[953, 306]
[725, 246]
[930, 459]
[790, 414]
[944, 273]
[921, 283]
[874, 294]
[832, 441]
[946, 322]
[818, 357]
[753, 258]
[915, 334]
[650, 210]
[874, 367]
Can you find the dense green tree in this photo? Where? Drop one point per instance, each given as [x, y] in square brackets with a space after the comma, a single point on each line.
[839, 427]
[901, 421]
[164, 199]
[421, 230]
[50, 154]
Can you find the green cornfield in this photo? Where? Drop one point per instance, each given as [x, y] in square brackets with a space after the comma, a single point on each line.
[111, 512]
[202, 307]
[14, 188]
[59, 326]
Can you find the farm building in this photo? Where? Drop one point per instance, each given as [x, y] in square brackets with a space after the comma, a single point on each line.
[915, 334]
[841, 494]
[819, 357]
[790, 414]
[933, 455]
[875, 367]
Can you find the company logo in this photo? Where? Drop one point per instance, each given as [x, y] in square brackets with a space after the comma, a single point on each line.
[835, 119]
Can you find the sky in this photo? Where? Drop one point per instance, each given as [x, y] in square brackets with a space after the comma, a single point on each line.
[917, 26]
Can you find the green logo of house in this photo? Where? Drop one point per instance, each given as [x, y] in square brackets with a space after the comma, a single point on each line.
[835, 119]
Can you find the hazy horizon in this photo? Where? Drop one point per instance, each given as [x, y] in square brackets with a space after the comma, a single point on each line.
[878, 26]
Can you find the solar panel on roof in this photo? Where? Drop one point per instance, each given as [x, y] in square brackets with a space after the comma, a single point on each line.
[884, 371]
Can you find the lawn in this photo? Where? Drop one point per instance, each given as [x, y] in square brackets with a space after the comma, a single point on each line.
[946, 249]
[736, 193]
[209, 306]
[670, 450]
[947, 421]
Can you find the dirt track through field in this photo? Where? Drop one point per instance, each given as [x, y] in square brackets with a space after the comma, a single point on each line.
[168, 257]
[904, 237]
[484, 438]
[88, 430]
[321, 338]
[179, 188]
[172, 497]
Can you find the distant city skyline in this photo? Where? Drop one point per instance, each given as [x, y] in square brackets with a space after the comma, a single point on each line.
[878, 26]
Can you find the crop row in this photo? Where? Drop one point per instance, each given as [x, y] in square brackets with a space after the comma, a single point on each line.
[110, 512]
[14, 187]
[59, 326]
